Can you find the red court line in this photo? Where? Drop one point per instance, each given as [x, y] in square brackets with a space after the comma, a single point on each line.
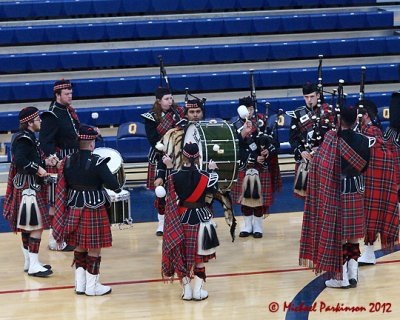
[222, 275]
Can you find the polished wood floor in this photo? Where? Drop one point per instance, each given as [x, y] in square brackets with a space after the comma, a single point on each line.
[244, 282]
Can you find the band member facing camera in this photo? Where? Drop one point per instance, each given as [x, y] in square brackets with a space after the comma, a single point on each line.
[189, 238]
[158, 121]
[81, 217]
[381, 212]
[194, 110]
[60, 126]
[59, 136]
[306, 133]
[258, 158]
[25, 200]
[333, 219]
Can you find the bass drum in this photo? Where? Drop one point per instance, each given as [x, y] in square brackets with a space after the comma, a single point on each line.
[217, 141]
[116, 164]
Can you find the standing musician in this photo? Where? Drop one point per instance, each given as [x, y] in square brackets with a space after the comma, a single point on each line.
[258, 169]
[381, 210]
[81, 217]
[189, 238]
[59, 135]
[392, 134]
[333, 219]
[25, 200]
[307, 129]
[158, 121]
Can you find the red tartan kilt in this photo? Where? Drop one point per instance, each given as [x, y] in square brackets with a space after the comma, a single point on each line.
[151, 176]
[352, 206]
[42, 204]
[266, 187]
[191, 246]
[87, 228]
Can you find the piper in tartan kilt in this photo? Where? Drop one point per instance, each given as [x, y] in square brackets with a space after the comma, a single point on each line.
[189, 238]
[157, 122]
[59, 136]
[302, 126]
[381, 210]
[25, 200]
[333, 218]
[392, 135]
[80, 213]
[259, 174]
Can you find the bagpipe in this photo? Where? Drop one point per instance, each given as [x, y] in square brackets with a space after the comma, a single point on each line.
[266, 136]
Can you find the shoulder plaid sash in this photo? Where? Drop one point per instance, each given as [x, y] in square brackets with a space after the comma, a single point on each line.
[352, 157]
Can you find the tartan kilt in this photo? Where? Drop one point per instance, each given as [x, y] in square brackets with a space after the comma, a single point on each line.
[380, 196]
[266, 187]
[151, 176]
[87, 228]
[191, 246]
[353, 218]
[42, 204]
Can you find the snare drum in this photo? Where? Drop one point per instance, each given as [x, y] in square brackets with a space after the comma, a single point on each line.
[116, 164]
[217, 141]
[120, 210]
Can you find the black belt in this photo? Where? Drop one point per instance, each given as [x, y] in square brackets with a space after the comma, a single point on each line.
[84, 188]
[192, 205]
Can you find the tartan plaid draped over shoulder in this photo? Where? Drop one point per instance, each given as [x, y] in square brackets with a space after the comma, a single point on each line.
[321, 236]
[173, 247]
[60, 204]
[381, 210]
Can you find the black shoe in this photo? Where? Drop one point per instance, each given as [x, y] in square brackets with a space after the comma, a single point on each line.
[353, 283]
[41, 274]
[257, 235]
[68, 248]
[244, 234]
[361, 264]
[159, 233]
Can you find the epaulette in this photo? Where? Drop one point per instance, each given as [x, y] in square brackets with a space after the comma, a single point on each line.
[21, 135]
[148, 116]
[371, 141]
[101, 160]
[48, 114]
[294, 113]
[212, 179]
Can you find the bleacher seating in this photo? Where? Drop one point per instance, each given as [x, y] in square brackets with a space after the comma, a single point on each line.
[132, 142]
[61, 8]
[207, 54]
[198, 82]
[153, 29]
[113, 115]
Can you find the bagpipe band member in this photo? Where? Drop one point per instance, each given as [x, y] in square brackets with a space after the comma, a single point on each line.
[158, 121]
[259, 174]
[381, 203]
[172, 144]
[80, 213]
[59, 136]
[303, 127]
[333, 219]
[392, 135]
[190, 239]
[25, 200]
